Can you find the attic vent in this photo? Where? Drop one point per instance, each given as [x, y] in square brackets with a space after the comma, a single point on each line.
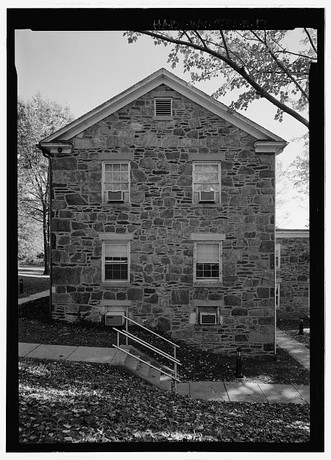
[163, 107]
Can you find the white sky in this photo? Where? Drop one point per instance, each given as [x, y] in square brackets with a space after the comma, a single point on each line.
[84, 69]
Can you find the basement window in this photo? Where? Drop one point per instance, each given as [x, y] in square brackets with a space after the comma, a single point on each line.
[163, 108]
[208, 315]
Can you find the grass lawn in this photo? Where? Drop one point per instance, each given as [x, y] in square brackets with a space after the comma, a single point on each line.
[32, 284]
[83, 402]
[35, 327]
[291, 327]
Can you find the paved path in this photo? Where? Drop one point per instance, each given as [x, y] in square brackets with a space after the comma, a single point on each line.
[38, 295]
[294, 348]
[211, 391]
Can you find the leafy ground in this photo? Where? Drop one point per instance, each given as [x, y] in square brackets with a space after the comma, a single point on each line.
[35, 327]
[291, 327]
[84, 402]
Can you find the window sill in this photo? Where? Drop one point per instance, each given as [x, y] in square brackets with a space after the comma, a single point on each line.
[162, 117]
[115, 283]
[207, 283]
[116, 205]
[208, 205]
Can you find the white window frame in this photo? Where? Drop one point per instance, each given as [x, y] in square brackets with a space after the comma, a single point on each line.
[195, 200]
[103, 189]
[103, 268]
[171, 107]
[277, 255]
[195, 262]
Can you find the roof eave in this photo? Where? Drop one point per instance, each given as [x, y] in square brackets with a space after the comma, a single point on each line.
[162, 76]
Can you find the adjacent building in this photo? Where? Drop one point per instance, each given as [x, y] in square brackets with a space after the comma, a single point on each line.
[292, 283]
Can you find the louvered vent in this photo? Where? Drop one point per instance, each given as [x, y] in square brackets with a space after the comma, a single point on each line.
[163, 107]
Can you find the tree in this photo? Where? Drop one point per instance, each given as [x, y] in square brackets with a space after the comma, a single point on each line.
[36, 119]
[251, 64]
[259, 63]
[299, 169]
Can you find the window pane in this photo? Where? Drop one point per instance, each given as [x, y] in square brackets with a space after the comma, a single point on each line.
[116, 272]
[116, 250]
[199, 178]
[206, 187]
[207, 271]
[206, 168]
[208, 252]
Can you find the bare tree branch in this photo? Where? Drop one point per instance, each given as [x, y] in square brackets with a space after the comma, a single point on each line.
[310, 39]
[280, 64]
[240, 70]
[225, 45]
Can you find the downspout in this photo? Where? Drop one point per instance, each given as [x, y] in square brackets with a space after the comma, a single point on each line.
[48, 150]
[275, 267]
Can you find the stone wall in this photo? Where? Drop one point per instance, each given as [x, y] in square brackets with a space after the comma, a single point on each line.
[161, 218]
[293, 275]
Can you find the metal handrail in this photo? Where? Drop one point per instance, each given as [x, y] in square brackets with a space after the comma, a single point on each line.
[147, 345]
[130, 336]
[145, 362]
[149, 330]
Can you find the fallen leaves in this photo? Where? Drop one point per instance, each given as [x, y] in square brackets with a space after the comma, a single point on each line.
[197, 365]
[83, 402]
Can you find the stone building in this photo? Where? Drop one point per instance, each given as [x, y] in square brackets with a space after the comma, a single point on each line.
[163, 207]
[292, 266]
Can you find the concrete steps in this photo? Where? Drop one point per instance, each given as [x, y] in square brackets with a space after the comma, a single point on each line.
[143, 370]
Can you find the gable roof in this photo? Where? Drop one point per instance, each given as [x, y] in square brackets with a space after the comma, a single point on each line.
[163, 76]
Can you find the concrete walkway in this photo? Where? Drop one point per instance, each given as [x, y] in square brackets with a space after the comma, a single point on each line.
[298, 351]
[212, 391]
[38, 295]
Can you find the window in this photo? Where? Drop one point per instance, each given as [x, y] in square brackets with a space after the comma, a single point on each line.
[116, 182]
[206, 182]
[208, 313]
[277, 255]
[207, 261]
[163, 107]
[115, 263]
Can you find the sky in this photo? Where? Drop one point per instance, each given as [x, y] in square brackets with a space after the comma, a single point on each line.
[84, 69]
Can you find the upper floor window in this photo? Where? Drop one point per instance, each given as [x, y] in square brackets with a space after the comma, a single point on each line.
[163, 107]
[206, 182]
[116, 182]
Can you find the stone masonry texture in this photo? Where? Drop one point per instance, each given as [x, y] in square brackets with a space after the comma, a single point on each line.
[294, 278]
[161, 217]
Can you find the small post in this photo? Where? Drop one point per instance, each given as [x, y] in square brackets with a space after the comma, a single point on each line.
[126, 330]
[21, 286]
[239, 374]
[118, 339]
[301, 326]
